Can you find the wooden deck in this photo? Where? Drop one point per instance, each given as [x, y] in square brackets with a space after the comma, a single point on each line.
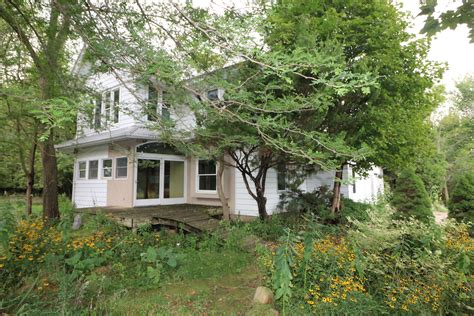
[188, 217]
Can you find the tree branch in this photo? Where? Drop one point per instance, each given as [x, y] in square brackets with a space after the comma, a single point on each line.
[11, 21]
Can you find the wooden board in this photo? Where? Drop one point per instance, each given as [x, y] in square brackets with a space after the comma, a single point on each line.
[191, 218]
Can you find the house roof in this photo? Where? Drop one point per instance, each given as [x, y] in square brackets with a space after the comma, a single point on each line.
[104, 137]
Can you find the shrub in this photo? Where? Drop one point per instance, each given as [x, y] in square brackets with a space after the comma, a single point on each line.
[461, 205]
[318, 203]
[298, 201]
[413, 266]
[382, 266]
[354, 210]
[410, 197]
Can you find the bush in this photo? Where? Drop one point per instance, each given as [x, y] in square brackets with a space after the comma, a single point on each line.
[300, 202]
[382, 266]
[353, 210]
[461, 205]
[318, 203]
[410, 197]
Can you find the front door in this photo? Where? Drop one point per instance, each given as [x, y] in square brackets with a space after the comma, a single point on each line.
[160, 180]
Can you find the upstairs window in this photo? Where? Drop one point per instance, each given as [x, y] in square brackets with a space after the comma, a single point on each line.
[156, 106]
[111, 106]
[93, 169]
[82, 168]
[107, 106]
[207, 175]
[121, 167]
[152, 104]
[354, 181]
[165, 112]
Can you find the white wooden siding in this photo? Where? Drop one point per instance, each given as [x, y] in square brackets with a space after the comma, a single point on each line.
[132, 98]
[90, 193]
[128, 102]
[245, 204]
[326, 178]
[368, 188]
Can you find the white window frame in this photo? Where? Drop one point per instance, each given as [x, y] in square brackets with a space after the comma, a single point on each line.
[160, 105]
[198, 190]
[115, 168]
[102, 169]
[109, 113]
[88, 169]
[116, 104]
[79, 170]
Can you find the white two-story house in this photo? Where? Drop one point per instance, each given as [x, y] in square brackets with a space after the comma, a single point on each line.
[119, 162]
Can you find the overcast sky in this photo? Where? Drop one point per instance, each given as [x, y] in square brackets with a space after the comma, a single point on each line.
[451, 46]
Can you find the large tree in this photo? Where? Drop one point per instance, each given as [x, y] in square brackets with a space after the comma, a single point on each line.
[43, 37]
[42, 30]
[392, 120]
[262, 117]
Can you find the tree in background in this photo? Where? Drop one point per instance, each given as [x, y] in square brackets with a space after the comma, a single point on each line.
[20, 134]
[410, 197]
[464, 97]
[461, 204]
[456, 135]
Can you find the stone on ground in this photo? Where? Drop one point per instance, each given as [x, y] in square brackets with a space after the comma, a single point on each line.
[77, 222]
[263, 295]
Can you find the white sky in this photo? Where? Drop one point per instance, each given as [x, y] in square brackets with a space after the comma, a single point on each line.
[450, 46]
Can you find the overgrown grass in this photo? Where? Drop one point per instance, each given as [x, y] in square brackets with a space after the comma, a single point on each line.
[17, 204]
[377, 266]
[368, 263]
[106, 268]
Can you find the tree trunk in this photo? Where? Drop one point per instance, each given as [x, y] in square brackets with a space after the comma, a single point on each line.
[29, 193]
[50, 179]
[262, 205]
[336, 197]
[446, 193]
[220, 189]
[30, 177]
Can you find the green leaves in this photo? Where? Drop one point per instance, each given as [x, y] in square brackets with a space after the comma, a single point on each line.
[56, 114]
[284, 260]
[160, 255]
[156, 259]
[463, 14]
